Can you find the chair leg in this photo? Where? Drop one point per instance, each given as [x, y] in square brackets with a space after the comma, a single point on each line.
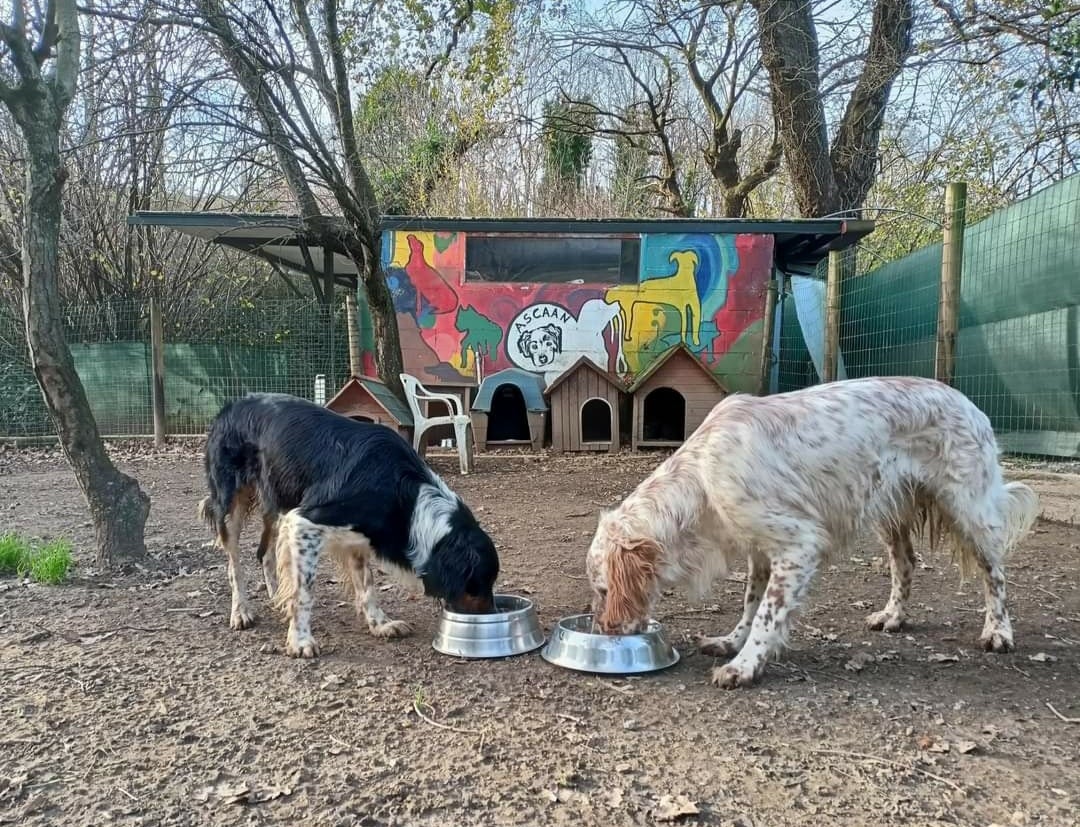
[418, 440]
[463, 436]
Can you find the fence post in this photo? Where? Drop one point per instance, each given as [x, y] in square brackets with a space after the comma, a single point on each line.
[768, 322]
[952, 259]
[356, 362]
[157, 350]
[833, 283]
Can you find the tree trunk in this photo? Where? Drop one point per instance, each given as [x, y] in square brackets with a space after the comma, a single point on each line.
[118, 507]
[388, 358]
[789, 52]
[827, 180]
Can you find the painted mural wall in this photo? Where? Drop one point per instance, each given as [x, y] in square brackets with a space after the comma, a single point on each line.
[707, 291]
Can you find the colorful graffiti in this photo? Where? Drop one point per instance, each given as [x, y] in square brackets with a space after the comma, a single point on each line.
[706, 291]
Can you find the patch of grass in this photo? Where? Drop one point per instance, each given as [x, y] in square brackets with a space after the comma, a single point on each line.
[49, 563]
[13, 550]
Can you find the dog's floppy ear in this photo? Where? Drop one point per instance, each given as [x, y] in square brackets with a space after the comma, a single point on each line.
[631, 577]
[555, 332]
[523, 341]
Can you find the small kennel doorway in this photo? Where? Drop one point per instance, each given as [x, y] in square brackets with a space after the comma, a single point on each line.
[596, 419]
[585, 408]
[509, 409]
[663, 416]
[671, 398]
[508, 420]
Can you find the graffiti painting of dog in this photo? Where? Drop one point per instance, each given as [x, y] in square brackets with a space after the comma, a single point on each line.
[541, 345]
[547, 338]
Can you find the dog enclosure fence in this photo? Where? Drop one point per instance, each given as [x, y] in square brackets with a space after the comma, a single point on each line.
[1018, 338]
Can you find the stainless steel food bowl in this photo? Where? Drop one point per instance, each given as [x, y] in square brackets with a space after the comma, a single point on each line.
[513, 629]
[573, 645]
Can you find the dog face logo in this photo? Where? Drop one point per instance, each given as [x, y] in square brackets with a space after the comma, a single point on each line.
[537, 336]
[540, 345]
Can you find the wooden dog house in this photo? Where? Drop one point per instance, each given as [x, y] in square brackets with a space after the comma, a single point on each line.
[510, 410]
[671, 398]
[369, 400]
[584, 403]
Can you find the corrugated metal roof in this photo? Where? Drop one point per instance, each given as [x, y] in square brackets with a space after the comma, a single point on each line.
[800, 242]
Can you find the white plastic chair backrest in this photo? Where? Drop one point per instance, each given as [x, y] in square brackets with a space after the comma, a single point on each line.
[416, 392]
[411, 384]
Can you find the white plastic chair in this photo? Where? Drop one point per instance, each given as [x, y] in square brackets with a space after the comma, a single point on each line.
[415, 394]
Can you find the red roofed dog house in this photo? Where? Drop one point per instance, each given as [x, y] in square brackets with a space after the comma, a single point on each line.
[671, 398]
[369, 400]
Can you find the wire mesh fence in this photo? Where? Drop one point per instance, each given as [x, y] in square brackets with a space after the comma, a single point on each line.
[212, 354]
[1018, 338]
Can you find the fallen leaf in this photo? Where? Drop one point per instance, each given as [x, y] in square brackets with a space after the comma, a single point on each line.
[88, 639]
[549, 796]
[931, 744]
[940, 658]
[1042, 657]
[269, 793]
[205, 614]
[227, 792]
[672, 808]
[966, 747]
[858, 661]
[332, 681]
[614, 797]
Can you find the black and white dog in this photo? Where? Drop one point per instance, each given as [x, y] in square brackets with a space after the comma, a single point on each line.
[356, 490]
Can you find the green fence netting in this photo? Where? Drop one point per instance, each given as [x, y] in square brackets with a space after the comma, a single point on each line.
[1017, 349]
[212, 355]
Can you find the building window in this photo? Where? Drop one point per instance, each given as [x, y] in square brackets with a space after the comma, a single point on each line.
[540, 259]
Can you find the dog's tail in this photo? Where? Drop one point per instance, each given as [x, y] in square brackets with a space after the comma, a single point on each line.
[205, 512]
[1021, 509]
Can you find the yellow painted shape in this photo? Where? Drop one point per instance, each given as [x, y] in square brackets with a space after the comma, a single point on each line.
[401, 247]
[642, 306]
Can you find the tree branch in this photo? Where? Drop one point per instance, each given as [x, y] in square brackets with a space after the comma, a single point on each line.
[66, 68]
[854, 150]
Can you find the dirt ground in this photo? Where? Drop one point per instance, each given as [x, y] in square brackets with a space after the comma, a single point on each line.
[126, 699]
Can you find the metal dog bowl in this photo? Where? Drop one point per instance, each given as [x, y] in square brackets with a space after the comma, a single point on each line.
[573, 645]
[512, 629]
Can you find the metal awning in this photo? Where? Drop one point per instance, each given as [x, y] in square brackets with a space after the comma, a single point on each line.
[800, 243]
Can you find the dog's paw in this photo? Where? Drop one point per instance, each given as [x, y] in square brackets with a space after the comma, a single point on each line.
[997, 641]
[242, 618]
[885, 622]
[717, 647]
[391, 629]
[303, 648]
[730, 676]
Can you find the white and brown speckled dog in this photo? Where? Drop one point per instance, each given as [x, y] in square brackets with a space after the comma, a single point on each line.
[784, 480]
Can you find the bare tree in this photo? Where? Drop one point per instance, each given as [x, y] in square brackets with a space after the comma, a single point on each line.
[40, 71]
[829, 179]
[659, 48]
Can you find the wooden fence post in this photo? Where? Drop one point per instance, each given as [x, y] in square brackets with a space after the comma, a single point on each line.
[952, 259]
[767, 327]
[157, 351]
[835, 276]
